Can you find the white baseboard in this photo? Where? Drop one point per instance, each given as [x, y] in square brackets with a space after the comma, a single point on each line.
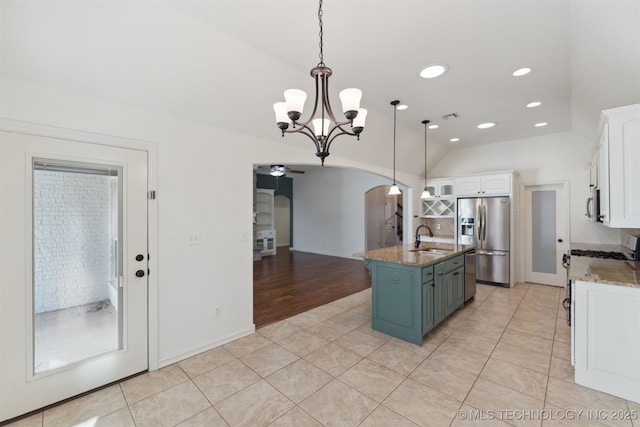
[205, 347]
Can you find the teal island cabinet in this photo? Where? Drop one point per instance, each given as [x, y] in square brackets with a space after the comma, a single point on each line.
[414, 290]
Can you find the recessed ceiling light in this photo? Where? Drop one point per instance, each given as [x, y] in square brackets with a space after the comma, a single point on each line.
[433, 126]
[539, 125]
[402, 107]
[486, 125]
[521, 72]
[534, 104]
[455, 140]
[433, 70]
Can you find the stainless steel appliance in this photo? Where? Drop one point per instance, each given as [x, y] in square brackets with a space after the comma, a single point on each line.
[469, 275]
[485, 223]
[593, 205]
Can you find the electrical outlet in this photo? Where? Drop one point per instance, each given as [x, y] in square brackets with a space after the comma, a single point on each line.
[437, 226]
[218, 311]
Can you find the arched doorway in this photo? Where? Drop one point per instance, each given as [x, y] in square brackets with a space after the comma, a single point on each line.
[383, 217]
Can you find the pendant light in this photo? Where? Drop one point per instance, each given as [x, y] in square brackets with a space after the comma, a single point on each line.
[324, 129]
[394, 190]
[425, 192]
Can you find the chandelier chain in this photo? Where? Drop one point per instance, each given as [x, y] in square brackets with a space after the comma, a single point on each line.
[321, 33]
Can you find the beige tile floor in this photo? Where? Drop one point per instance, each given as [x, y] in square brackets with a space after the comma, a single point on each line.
[503, 359]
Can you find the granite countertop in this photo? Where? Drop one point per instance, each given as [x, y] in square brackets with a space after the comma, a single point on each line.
[606, 271]
[403, 255]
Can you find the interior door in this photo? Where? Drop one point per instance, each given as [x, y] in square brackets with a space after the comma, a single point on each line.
[65, 206]
[545, 234]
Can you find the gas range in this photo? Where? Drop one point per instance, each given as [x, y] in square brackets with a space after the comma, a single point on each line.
[598, 254]
[630, 251]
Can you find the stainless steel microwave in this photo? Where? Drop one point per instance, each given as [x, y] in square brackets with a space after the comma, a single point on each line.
[593, 205]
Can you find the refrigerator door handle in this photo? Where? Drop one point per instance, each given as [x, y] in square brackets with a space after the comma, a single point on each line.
[484, 223]
[491, 253]
[478, 226]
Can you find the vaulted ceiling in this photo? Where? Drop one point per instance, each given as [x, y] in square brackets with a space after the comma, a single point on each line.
[225, 62]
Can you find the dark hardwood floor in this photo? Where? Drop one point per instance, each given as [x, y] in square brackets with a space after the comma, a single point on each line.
[292, 282]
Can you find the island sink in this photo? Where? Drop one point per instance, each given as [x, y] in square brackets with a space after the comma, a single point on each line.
[439, 251]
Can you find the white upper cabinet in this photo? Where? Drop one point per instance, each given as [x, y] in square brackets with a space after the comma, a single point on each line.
[484, 185]
[441, 187]
[442, 202]
[619, 167]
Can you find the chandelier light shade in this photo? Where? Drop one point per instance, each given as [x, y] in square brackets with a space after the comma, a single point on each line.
[394, 190]
[277, 170]
[322, 126]
[425, 192]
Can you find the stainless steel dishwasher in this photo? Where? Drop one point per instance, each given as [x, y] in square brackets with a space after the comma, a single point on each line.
[469, 275]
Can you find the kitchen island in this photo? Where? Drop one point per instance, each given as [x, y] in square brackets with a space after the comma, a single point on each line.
[413, 290]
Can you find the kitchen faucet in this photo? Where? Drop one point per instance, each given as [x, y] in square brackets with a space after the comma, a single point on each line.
[418, 235]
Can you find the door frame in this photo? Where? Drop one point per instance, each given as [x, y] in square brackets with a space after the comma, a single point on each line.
[566, 187]
[151, 148]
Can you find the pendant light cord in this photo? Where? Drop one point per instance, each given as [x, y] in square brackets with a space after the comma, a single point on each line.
[426, 122]
[395, 109]
[321, 34]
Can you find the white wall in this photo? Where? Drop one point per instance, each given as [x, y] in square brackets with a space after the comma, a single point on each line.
[546, 159]
[196, 165]
[329, 216]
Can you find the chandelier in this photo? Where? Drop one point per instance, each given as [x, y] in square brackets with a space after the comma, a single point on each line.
[326, 128]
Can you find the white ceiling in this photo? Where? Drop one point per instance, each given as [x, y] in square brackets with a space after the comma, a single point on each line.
[225, 62]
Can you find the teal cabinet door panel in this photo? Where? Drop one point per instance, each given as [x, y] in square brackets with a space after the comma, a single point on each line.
[427, 307]
[427, 274]
[397, 301]
[453, 263]
[439, 294]
[395, 294]
[459, 284]
[449, 293]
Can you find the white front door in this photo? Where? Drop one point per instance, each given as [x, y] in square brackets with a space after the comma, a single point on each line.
[73, 268]
[545, 234]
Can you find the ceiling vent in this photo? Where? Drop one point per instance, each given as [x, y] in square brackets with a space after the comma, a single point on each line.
[451, 116]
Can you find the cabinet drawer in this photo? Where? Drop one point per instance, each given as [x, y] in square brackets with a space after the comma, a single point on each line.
[454, 263]
[427, 274]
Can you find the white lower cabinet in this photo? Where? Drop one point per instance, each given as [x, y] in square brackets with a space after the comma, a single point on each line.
[606, 333]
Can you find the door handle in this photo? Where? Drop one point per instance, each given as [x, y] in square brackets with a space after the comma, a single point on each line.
[140, 273]
[139, 257]
[559, 240]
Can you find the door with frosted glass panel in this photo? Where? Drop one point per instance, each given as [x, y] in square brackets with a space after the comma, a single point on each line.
[74, 268]
[545, 234]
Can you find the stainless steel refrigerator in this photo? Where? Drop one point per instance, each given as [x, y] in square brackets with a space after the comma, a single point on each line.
[485, 223]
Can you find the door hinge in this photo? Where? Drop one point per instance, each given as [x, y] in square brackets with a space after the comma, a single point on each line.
[120, 281]
[151, 195]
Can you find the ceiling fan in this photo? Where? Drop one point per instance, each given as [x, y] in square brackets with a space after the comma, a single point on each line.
[280, 170]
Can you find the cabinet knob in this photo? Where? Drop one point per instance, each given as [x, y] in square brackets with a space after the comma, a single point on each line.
[560, 240]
